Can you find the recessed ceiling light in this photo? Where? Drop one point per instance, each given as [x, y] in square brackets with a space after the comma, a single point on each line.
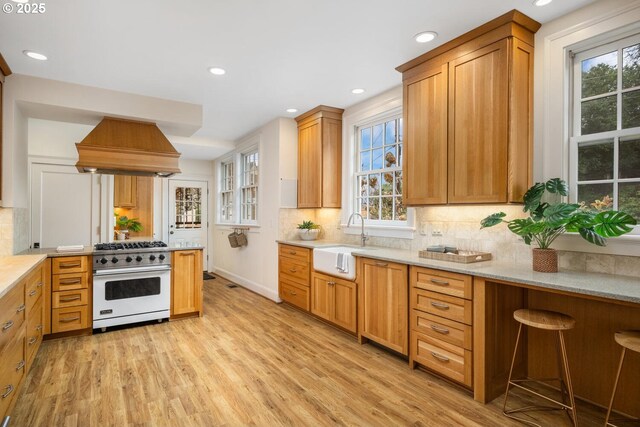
[217, 71]
[357, 91]
[541, 2]
[35, 55]
[292, 110]
[425, 36]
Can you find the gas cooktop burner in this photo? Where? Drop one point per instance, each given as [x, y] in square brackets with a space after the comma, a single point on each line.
[129, 245]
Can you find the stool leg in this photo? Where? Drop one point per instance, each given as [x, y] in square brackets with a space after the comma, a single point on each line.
[615, 387]
[513, 362]
[565, 361]
[563, 387]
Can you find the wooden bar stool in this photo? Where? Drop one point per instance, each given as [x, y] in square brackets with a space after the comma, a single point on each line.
[628, 340]
[552, 321]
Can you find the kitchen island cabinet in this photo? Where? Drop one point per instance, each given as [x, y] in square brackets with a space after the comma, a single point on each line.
[186, 283]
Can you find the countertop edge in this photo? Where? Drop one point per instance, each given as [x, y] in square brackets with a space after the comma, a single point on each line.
[88, 251]
[38, 258]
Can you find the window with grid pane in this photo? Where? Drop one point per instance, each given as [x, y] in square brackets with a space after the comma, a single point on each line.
[605, 146]
[379, 172]
[188, 207]
[226, 192]
[249, 188]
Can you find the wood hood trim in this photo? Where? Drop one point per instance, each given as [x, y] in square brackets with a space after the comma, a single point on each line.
[130, 147]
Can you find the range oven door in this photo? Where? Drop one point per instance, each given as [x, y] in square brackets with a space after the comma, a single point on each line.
[122, 296]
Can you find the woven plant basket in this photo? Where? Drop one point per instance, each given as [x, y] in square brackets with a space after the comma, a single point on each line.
[545, 260]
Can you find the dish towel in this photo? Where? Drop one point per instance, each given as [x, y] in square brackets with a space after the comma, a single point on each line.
[342, 263]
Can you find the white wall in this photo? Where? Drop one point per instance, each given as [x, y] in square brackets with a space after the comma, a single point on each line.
[256, 265]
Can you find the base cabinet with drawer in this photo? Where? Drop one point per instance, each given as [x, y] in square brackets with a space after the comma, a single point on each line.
[334, 300]
[22, 318]
[441, 323]
[294, 275]
[70, 294]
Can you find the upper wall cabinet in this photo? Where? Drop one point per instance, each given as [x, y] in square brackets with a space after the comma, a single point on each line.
[320, 158]
[468, 111]
[4, 72]
[125, 191]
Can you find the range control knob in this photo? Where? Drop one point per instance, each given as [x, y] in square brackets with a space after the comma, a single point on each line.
[162, 257]
[114, 260]
[103, 261]
[152, 257]
[129, 259]
[138, 258]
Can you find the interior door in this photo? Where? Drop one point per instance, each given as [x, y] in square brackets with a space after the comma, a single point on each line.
[65, 206]
[188, 224]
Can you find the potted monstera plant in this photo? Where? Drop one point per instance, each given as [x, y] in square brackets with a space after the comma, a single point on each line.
[550, 217]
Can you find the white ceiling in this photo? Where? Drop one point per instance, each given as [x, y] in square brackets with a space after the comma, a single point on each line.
[278, 53]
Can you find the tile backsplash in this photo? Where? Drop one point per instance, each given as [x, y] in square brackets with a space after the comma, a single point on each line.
[460, 227]
[6, 231]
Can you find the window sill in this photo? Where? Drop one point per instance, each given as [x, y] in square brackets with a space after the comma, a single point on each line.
[627, 245]
[381, 231]
[233, 225]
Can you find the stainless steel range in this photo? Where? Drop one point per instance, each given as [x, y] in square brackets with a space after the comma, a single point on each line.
[131, 283]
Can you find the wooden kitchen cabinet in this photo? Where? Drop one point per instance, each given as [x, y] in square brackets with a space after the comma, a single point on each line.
[383, 303]
[468, 108]
[294, 275]
[125, 190]
[320, 158]
[334, 300]
[186, 283]
[69, 305]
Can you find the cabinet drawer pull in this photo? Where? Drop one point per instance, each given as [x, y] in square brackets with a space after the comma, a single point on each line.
[69, 319]
[32, 340]
[293, 293]
[70, 281]
[440, 305]
[39, 284]
[21, 308]
[39, 327]
[7, 325]
[9, 390]
[20, 365]
[293, 252]
[440, 282]
[331, 283]
[69, 299]
[69, 264]
[440, 329]
[439, 357]
[382, 264]
[32, 293]
[293, 270]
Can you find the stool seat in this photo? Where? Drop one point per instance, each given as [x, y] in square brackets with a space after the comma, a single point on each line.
[543, 319]
[629, 339]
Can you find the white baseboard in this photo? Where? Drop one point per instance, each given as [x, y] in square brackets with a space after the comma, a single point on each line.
[249, 284]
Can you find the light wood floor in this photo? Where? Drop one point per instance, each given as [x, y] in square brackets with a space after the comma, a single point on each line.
[248, 361]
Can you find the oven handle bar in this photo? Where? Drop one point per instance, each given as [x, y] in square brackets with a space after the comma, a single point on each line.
[113, 271]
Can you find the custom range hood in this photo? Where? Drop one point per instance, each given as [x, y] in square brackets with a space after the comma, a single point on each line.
[127, 147]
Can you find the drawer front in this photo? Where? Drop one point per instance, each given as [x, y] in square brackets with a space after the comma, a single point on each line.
[70, 298]
[443, 329]
[302, 255]
[69, 281]
[12, 313]
[452, 308]
[446, 359]
[295, 294]
[12, 370]
[35, 287]
[457, 285]
[69, 319]
[295, 271]
[69, 264]
[34, 330]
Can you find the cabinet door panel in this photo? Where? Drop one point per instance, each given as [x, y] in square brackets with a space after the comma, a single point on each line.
[310, 165]
[186, 278]
[425, 140]
[478, 125]
[321, 296]
[331, 163]
[125, 191]
[383, 306]
[344, 314]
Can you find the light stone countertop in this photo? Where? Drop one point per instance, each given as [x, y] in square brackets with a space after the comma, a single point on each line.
[15, 268]
[88, 250]
[614, 287]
